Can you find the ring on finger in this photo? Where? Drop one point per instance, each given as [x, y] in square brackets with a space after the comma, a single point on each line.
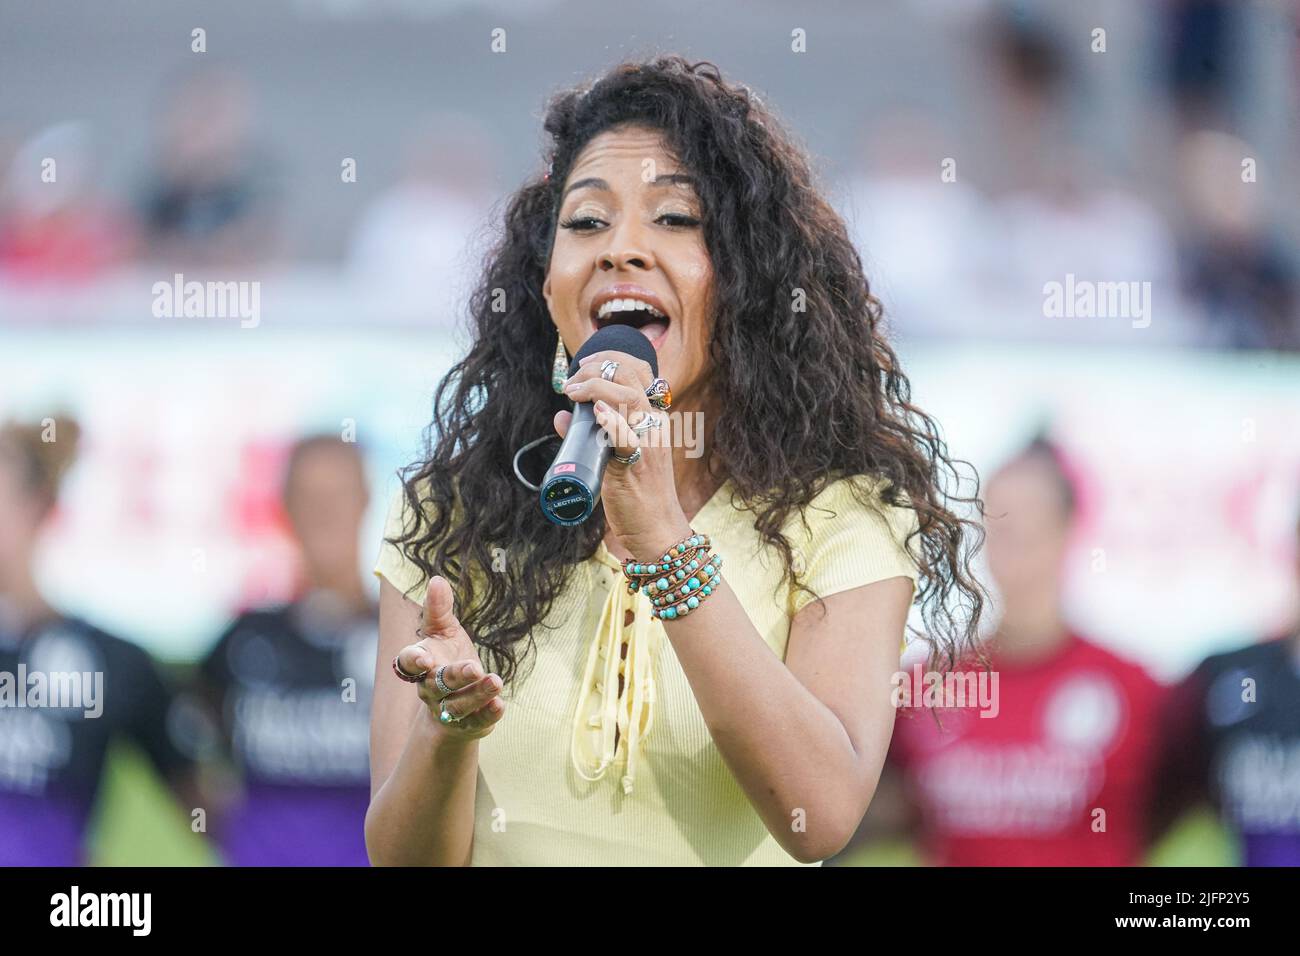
[630, 460]
[659, 394]
[409, 678]
[444, 715]
[607, 369]
[647, 422]
[437, 679]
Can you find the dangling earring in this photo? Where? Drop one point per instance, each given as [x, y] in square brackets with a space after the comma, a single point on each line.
[560, 370]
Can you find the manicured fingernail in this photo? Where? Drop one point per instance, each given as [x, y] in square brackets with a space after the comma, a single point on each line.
[585, 359]
[601, 406]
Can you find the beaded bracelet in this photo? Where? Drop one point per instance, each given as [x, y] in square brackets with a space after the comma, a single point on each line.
[691, 593]
[639, 574]
[697, 597]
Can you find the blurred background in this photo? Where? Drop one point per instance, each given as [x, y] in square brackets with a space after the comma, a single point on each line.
[1003, 167]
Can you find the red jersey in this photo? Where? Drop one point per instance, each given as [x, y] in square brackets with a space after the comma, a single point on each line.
[1057, 772]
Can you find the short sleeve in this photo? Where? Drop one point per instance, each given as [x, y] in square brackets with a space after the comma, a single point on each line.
[848, 544]
[393, 564]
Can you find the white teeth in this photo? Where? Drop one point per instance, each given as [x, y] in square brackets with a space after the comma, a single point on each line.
[628, 305]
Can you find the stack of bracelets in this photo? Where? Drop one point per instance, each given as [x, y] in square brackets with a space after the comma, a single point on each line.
[683, 577]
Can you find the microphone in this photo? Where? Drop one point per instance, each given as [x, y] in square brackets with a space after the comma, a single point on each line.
[571, 486]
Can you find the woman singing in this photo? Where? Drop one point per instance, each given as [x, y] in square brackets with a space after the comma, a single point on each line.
[655, 686]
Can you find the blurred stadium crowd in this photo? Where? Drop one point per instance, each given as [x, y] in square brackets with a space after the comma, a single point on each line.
[1090, 759]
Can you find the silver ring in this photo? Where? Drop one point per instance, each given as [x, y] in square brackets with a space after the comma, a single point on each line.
[437, 679]
[607, 369]
[647, 423]
[631, 459]
[444, 715]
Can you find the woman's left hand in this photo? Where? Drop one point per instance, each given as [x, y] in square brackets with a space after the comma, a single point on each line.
[641, 504]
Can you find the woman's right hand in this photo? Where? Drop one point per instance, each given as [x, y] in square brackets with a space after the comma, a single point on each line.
[474, 695]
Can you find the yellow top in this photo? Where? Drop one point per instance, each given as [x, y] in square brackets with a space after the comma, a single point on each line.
[545, 795]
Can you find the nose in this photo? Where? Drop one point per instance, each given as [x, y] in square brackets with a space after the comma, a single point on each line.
[626, 249]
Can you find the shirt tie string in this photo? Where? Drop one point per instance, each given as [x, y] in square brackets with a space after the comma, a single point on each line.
[600, 708]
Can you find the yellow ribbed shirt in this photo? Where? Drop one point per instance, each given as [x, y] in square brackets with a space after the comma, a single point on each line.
[552, 788]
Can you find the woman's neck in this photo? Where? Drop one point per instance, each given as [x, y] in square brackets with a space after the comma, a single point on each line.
[691, 431]
[695, 489]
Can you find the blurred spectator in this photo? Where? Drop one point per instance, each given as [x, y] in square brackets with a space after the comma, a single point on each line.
[53, 744]
[1232, 738]
[291, 685]
[1232, 261]
[54, 225]
[1198, 34]
[206, 199]
[1058, 770]
[413, 244]
[922, 236]
[1056, 212]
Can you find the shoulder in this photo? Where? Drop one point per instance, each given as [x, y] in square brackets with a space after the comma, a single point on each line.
[71, 645]
[1130, 673]
[1263, 653]
[856, 505]
[260, 624]
[1263, 662]
[400, 513]
[848, 536]
[413, 511]
[855, 496]
[68, 635]
[270, 621]
[408, 500]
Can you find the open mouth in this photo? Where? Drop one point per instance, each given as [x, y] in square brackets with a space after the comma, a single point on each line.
[641, 315]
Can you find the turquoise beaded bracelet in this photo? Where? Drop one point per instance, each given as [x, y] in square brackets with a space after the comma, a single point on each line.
[640, 574]
[682, 581]
[677, 602]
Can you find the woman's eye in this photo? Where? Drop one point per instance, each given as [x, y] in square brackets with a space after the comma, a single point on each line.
[679, 219]
[588, 223]
[579, 224]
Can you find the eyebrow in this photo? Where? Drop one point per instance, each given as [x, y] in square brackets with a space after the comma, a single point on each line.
[668, 179]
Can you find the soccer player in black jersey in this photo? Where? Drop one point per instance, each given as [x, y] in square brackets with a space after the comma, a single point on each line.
[67, 688]
[291, 684]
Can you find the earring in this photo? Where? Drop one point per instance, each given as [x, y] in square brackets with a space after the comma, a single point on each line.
[560, 370]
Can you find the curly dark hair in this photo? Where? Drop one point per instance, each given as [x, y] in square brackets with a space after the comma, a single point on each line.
[830, 403]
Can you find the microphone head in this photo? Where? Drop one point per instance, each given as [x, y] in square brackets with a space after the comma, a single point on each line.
[618, 338]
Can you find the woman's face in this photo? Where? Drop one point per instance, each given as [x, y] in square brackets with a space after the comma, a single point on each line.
[630, 228]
